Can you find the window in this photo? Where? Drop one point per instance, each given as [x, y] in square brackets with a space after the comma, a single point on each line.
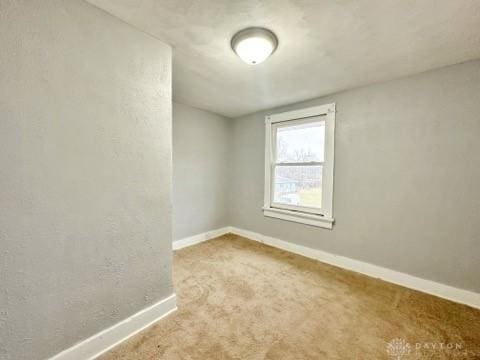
[299, 165]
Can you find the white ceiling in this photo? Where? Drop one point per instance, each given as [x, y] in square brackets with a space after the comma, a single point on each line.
[325, 45]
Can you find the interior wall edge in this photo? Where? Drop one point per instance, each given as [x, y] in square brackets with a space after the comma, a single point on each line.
[85, 148]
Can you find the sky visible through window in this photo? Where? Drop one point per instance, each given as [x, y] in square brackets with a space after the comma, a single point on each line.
[301, 143]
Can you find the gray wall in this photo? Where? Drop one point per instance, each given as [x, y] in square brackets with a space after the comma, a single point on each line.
[85, 175]
[407, 176]
[201, 158]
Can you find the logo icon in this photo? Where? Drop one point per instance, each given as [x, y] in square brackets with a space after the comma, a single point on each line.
[398, 348]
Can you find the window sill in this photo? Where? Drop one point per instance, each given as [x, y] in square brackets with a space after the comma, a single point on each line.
[303, 218]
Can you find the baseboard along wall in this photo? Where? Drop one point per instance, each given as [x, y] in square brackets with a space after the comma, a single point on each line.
[196, 239]
[462, 296]
[105, 340]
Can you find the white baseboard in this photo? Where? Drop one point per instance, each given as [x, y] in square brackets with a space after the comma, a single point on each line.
[427, 286]
[105, 340]
[196, 239]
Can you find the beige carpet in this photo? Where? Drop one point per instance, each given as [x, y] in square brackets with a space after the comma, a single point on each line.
[238, 299]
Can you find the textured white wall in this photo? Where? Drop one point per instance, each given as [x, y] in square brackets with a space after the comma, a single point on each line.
[407, 175]
[85, 175]
[201, 160]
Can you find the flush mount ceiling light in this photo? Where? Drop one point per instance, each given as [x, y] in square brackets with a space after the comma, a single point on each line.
[254, 45]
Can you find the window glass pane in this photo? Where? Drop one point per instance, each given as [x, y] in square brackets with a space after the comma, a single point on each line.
[301, 143]
[298, 185]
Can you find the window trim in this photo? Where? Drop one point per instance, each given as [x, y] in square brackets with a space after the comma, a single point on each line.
[324, 217]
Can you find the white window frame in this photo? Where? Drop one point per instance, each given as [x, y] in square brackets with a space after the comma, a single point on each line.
[310, 216]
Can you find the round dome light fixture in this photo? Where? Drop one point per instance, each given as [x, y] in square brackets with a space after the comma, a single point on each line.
[254, 45]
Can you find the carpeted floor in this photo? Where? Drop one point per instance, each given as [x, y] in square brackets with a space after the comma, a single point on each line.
[238, 299]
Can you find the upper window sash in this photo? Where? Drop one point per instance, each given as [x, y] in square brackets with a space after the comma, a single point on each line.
[289, 123]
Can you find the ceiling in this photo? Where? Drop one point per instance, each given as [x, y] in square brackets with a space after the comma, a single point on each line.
[324, 45]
